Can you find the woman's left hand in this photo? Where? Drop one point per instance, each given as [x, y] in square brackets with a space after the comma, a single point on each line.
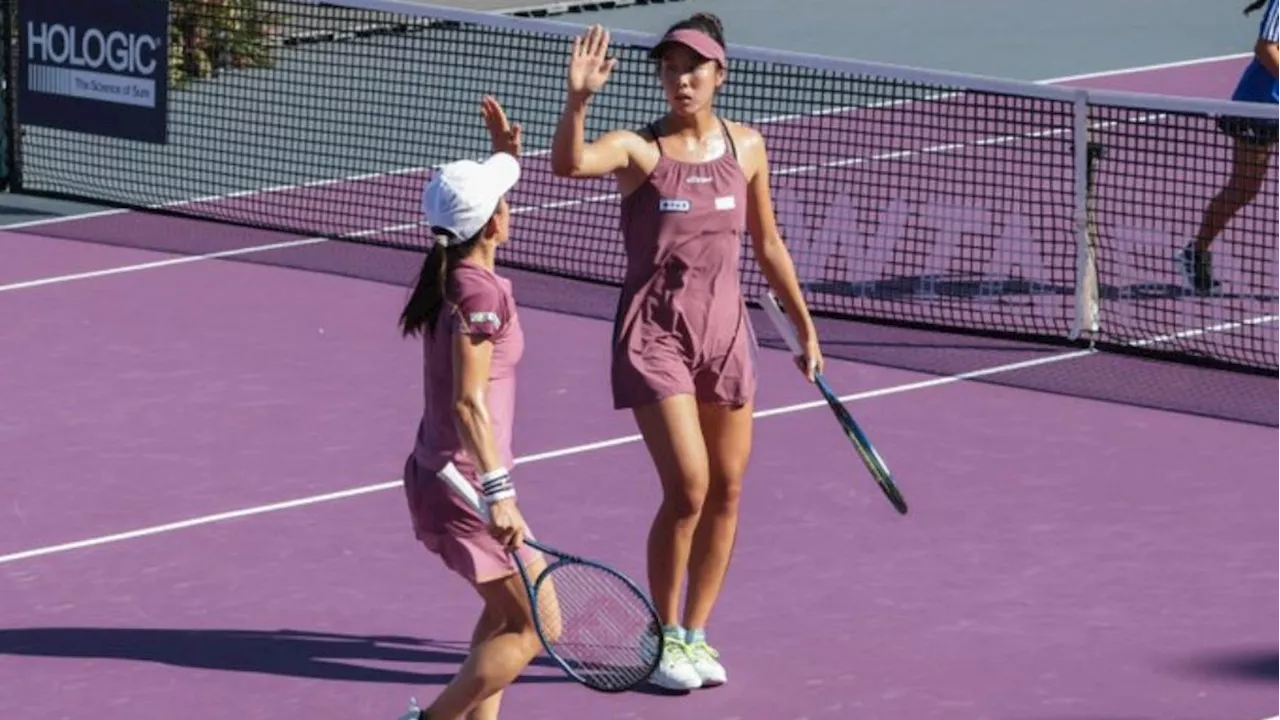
[505, 135]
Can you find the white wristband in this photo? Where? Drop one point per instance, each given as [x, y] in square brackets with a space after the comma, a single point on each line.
[496, 485]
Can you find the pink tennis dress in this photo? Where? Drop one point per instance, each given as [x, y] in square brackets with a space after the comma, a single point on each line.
[682, 324]
[480, 304]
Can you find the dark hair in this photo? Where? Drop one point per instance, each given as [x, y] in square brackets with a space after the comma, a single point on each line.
[1256, 4]
[424, 305]
[706, 22]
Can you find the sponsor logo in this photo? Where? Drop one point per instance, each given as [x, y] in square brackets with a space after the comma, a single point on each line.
[103, 64]
[481, 318]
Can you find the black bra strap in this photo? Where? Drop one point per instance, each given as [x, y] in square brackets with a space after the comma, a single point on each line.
[729, 136]
[653, 128]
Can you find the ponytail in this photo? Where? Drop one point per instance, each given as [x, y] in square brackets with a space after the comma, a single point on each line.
[423, 308]
[1255, 5]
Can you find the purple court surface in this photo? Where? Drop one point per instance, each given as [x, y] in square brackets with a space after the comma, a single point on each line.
[201, 516]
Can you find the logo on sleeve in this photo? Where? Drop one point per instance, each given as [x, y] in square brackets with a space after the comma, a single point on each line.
[484, 318]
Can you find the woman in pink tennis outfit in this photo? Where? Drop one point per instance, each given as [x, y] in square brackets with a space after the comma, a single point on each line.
[683, 350]
[472, 341]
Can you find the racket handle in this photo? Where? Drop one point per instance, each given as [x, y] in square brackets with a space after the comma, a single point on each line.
[463, 489]
[781, 323]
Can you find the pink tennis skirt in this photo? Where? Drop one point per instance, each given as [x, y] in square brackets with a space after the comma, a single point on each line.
[446, 526]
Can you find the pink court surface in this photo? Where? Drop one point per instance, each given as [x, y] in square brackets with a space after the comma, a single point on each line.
[202, 516]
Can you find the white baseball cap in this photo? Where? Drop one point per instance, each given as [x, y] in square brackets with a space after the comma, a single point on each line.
[461, 196]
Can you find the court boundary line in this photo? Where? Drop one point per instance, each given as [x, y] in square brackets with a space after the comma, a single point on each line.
[153, 264]
[932, 382]
[572, 450]
[523, 460]
[1145, 68]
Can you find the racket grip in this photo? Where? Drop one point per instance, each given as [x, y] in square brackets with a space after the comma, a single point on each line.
[781, 323]
[463, 489]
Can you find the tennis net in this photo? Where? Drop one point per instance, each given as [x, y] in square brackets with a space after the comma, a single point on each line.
[907, 196]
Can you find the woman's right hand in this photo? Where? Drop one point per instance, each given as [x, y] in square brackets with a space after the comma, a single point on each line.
[506, 524]
[589, 65]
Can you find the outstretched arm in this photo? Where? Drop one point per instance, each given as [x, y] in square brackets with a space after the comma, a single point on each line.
[571, 155]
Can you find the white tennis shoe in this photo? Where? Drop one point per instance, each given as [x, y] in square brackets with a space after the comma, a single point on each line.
[676, 671]
[706, 662]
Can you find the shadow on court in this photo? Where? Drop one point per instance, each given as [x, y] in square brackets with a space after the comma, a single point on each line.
[1246, 665]
[292, 653]
[19, 213]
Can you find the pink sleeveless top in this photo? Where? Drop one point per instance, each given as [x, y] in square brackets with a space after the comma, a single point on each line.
[681, 323]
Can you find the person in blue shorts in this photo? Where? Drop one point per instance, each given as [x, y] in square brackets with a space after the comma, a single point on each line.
[1255, 139]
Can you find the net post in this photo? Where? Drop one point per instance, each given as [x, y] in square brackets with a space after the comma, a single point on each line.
[1086, 312]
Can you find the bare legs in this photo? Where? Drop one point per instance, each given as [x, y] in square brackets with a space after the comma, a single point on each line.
[727, 434]
[701, 453]
[502, 646]
[1248, 169]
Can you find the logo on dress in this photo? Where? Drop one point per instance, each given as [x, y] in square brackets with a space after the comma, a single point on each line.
[726, 203]
[698, 180]
[667, 205]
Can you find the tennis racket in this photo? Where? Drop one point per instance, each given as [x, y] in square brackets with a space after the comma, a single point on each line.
[875, 464]
[593, 621]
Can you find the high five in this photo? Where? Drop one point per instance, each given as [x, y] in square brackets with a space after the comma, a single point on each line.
[684, 355]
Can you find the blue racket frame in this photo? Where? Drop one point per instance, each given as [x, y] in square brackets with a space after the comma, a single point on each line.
[459, 485]
[870, 457]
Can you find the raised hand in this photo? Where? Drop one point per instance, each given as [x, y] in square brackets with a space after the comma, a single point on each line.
[506, 136]
[589, 65]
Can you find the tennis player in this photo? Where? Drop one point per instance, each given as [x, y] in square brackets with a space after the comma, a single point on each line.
[683, 354]
[1255, 140]
[472, 341]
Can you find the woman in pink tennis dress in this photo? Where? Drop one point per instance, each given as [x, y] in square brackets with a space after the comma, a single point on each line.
[471, 340]
[683, 350]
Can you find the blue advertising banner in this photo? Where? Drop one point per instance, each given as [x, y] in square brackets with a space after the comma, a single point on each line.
[95, 66]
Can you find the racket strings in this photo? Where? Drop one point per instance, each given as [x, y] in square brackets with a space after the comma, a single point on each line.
[598, 626]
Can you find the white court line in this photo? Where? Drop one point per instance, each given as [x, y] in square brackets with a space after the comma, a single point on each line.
[541, 456]
[54, 280]
[613, 442]
[62, 218]
[1144, 68]
[538, 153]
[563, 452]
